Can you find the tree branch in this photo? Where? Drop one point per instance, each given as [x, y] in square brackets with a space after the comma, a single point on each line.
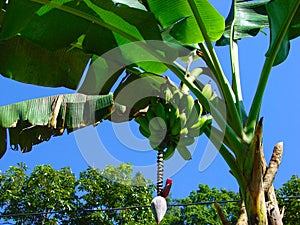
[221, 214]
[273, 212]
[273, 166]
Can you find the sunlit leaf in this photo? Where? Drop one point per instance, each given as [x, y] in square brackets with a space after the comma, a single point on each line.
[58, 25]
[130, 3]
[250, 18]
[178, 15]
[279, 12]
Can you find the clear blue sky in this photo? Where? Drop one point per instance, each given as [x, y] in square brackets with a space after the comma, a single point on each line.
[280, 109]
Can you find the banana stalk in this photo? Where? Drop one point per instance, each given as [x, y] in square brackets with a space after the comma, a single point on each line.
[160, 171]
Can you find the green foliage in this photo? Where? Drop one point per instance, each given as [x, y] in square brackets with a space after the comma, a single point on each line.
[28, 57]
[44, 190]
[114, 188]
[291, 206]
[66, 200]
[48, 190]
[34, 121]
[182, 25]
[206, 213]
[249, 17]
[285, 23]
[32, 28]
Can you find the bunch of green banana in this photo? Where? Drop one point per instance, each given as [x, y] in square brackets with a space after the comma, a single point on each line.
[173, 120]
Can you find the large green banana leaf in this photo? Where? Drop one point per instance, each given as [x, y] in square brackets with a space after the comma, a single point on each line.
[76, 30]
[177, 16]
[249, 18]
[279, 12]
[34, 121]
[52, 29]
[25, 62]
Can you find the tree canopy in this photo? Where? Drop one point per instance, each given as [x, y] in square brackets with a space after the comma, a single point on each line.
[114, 195]
[291, 205]
[49, 196]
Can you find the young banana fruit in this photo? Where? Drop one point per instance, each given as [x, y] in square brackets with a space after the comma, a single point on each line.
[173, 120]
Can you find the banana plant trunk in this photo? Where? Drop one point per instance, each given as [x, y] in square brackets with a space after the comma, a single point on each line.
[259, 196]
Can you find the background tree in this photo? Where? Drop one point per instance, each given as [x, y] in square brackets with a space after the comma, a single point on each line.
[114, 187]
[44, 190]
[49, 196]
[206, 213]
[291, 206]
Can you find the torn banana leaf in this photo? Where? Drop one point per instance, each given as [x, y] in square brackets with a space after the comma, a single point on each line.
[34, 121]
[249, 18]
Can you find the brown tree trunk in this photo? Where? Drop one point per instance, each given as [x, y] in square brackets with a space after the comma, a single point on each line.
[243, 220]
[254, 170]
[259, 197]
[273, 212]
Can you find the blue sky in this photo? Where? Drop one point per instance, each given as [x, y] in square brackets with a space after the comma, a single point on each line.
[280, 110]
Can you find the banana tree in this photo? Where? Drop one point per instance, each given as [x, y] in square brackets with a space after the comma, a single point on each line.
[50, 42]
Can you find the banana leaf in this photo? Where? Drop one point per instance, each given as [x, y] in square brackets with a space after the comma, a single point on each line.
[177, 17]
[249, 18]
[25, 62]
[279, 11]
[34, 121]
[65, 34]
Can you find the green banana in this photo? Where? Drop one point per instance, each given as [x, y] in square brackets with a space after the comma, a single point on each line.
[153, 100]
[184, 152]
[150, 114]
[183, 119]
[168, 94]
[159, 110]
[197, 128]
[156, 139]
[175, 129]
[207, 123]
[193, 118]
[189, 106]
[195, 114]
[213, 97]
[145, 133]
[184, 131]
[194, 130]
[198, 107]
[174, 114]
[186, 104]
[144, 123]
[169, 152]
[168, 110]
[157, 124]
[207, 91]
[176, 98]
[183, 103]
